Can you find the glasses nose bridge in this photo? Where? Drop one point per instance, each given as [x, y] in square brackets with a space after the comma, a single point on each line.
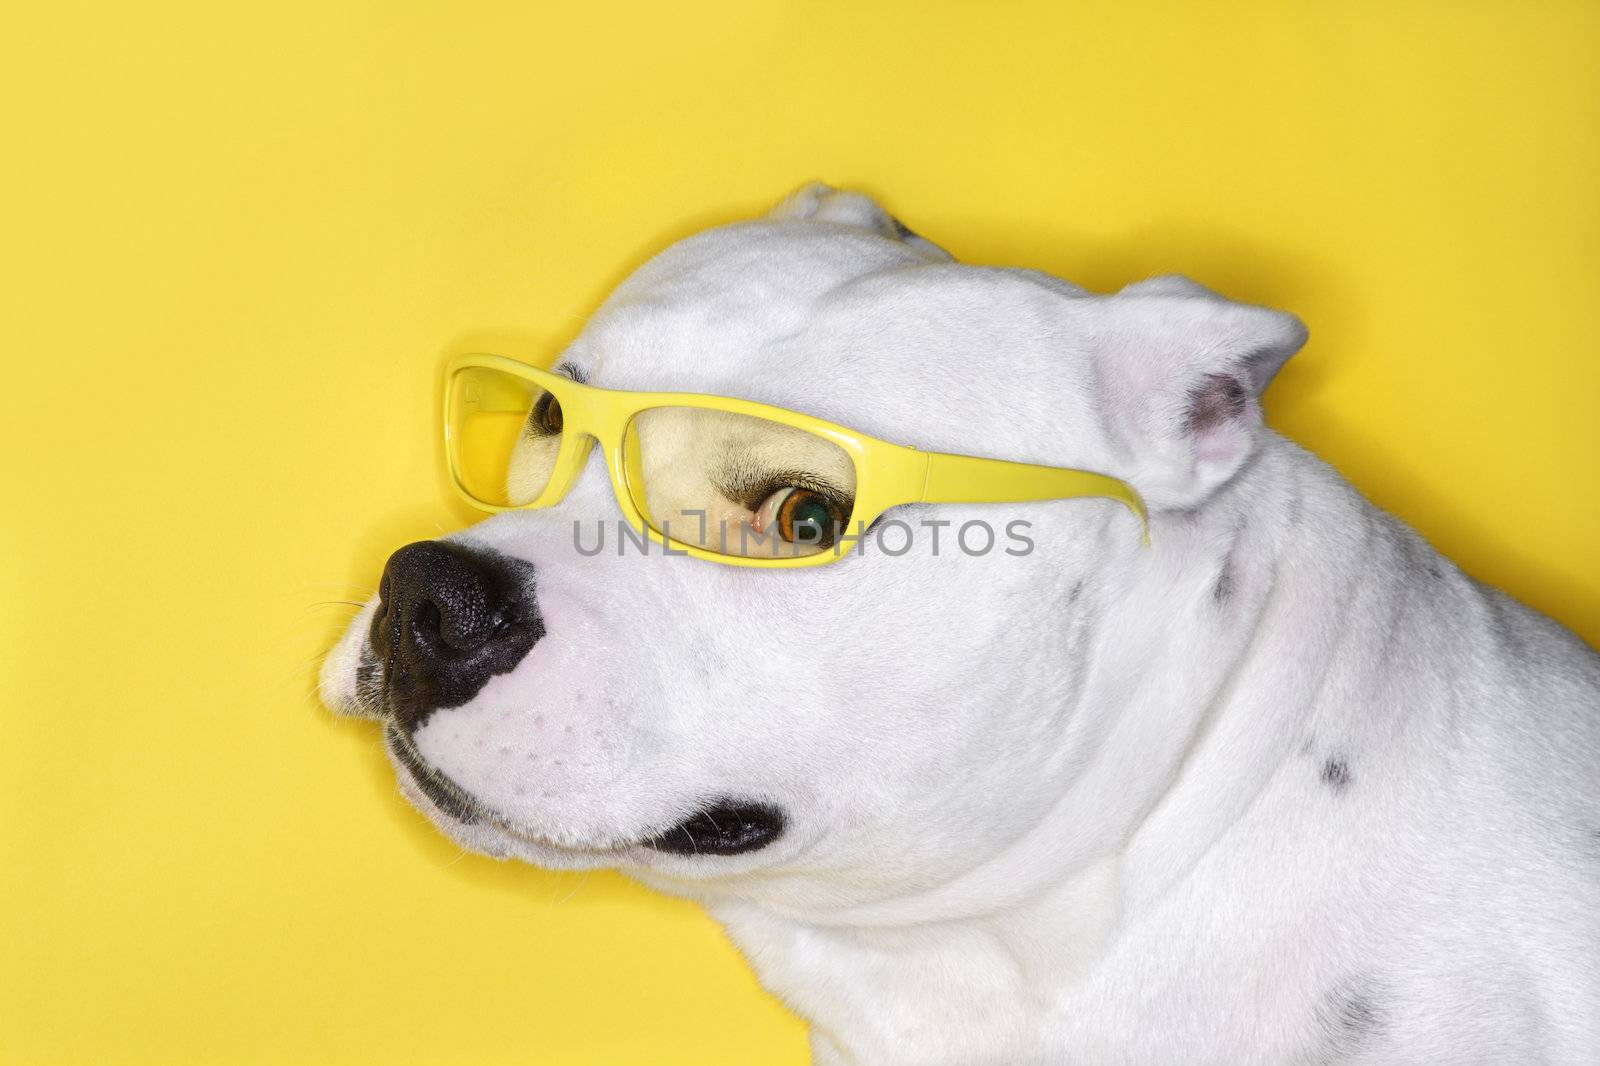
[603, 418]
[603, 414]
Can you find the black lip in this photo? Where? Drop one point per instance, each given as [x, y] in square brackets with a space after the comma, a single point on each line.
[445, 794]
[723, 828]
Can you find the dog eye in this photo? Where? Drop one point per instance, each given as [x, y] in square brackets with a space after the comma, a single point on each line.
[545, 418]
[800, 516]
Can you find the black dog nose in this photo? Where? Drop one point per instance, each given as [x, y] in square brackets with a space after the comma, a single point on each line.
[449, 618]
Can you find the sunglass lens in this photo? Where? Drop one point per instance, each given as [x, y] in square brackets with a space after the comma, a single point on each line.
[739, 485]
[504, 433]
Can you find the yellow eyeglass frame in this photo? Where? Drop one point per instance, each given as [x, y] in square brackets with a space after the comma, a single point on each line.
[887, 475]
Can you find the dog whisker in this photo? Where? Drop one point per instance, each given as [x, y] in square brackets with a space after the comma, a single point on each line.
[582, 880]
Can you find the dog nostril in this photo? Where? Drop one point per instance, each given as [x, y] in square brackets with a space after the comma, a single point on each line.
[427, 627]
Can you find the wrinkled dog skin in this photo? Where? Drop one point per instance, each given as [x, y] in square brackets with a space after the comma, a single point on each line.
[1283, 787]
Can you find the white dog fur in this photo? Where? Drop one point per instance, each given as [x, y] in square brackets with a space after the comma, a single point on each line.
[1283, 787]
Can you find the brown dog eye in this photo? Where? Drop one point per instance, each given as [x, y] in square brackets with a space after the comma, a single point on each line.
[545, 419]
[806, 517]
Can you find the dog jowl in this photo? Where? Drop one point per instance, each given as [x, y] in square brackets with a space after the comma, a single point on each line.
[1276, 785]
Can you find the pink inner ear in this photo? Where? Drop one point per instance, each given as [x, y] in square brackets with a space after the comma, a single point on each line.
[1219, 411]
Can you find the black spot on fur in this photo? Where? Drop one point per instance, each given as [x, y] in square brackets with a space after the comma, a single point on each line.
[1217, 399]
[1336, 773]
[1435, 572]
[1222, 591]
[1296, 510]
[1350, 1021]
[901, 230]
[1357, 1015]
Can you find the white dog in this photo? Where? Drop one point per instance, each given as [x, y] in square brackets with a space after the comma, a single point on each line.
[1284, 786]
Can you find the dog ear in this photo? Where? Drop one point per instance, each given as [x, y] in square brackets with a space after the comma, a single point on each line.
[1182, 370]
[818, 202]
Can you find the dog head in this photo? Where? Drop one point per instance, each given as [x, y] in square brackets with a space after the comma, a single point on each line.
[833, 735]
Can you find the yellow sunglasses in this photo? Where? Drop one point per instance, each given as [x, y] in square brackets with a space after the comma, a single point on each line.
[714, 477]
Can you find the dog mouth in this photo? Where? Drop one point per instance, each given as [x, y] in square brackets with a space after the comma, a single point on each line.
[720, 827]
[725, 827]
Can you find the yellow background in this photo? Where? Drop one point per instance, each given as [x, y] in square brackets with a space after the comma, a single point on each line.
[239, 240]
